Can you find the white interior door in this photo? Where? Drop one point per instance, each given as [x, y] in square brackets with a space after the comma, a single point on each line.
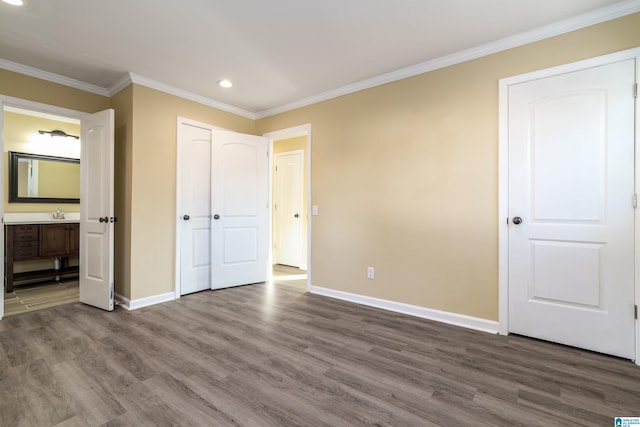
[288, 214]
[239, 204]
[571, 188]
[96, 210]
[195, 209]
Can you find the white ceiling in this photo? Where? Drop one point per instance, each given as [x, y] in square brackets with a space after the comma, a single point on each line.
[276, 52]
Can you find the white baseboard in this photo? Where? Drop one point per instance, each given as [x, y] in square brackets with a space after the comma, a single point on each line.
[462, 320]
[143, 302]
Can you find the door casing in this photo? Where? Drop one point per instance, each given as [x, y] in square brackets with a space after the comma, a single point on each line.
[503, 177]
[28, 105]
[292, 132]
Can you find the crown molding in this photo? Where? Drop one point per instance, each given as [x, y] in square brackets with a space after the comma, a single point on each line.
[555, 29]
[153, 84]
[561, 27]
[120, 84]
[51, 77]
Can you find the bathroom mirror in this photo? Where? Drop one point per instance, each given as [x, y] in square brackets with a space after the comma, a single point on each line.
[35, 178]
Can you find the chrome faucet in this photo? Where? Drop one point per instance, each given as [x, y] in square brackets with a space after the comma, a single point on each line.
[58, 214]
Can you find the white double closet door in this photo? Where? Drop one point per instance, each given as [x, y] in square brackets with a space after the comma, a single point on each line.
[222, 208]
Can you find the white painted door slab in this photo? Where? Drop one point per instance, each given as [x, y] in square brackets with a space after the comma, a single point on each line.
[571, 181]
[195, 209]
[239, 204]
[96, 210]
[288, 208]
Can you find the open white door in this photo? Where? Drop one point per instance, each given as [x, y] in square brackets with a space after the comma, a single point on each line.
[239, 204]
[96, 210]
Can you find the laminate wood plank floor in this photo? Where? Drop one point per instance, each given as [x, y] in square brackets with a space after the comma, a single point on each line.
[25, 298]
[273, 355]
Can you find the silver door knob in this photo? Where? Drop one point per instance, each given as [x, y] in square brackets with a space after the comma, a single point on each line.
[186, 217]
[216, 216]
[517, 220]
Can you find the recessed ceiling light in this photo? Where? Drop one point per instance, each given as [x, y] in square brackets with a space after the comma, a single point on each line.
[225, 83]
[13, 2]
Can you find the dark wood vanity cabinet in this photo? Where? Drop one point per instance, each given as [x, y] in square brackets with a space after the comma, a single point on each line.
[56, 240]
[25, 242]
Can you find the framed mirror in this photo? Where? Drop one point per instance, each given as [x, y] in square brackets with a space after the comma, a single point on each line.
[35, 178]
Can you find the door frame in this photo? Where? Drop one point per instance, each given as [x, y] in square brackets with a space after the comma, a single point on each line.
[301, 177]
[503, 177]
[27, 105]
[292, 132]
[179, 122]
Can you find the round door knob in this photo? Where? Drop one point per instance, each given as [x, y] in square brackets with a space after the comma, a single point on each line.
[517, 220]
[216, 216]
[186, 217]
[105, 219]
[296, 216]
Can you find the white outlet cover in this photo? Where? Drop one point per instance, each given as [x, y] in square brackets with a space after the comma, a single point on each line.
[370, 272]
[314, 210]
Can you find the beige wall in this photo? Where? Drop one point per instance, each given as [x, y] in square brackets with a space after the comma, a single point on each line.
[290, 144]
[406, 176]
[122, 103]
[18, 131]
[59, 179]
[32, 89]
[153, 188]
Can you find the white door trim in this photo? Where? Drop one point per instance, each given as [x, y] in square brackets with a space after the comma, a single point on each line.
[179, 122]
[503, 177]
[28, 105]
[292, 132]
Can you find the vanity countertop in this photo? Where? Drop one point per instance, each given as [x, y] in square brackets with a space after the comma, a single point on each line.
[39, 218]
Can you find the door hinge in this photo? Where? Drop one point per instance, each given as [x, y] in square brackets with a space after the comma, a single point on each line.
[635, 90]
[635, 311]
[635, 201]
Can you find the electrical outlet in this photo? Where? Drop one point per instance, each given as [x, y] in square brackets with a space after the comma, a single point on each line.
[370, 273]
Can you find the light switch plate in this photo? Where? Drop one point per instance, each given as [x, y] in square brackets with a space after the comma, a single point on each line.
[314, 210]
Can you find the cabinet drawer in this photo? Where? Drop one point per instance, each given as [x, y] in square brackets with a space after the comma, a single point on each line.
[26, 228]
[25, 236]
[25, 252]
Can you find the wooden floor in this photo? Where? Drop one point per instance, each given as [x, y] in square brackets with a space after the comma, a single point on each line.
[273, 355]
[25, 298]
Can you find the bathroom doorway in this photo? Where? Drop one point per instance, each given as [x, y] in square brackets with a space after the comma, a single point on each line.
[59, 235]
[42, 181]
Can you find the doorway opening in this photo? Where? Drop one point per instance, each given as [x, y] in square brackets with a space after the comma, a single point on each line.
[43, 182]
[51, 233]
[290, 196]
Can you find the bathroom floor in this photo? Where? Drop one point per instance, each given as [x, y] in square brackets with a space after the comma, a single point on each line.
[27, 298]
